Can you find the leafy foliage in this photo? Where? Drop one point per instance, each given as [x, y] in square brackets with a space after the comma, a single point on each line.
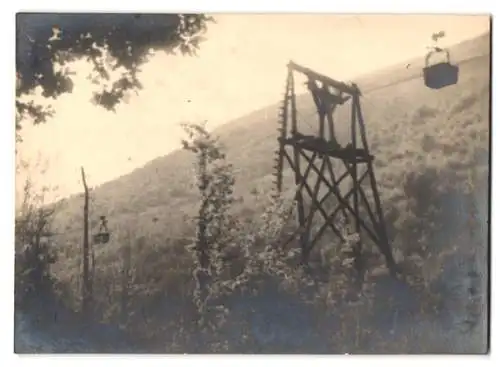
[34, 252]
[220, 239]
[233, 260]
[112, 43]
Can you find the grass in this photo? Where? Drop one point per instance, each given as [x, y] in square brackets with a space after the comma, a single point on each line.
[426, 145]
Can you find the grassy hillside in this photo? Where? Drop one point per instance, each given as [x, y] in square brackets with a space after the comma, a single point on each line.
[399, 119]
[430, 146]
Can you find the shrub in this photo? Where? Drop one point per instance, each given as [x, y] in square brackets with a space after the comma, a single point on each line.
[235, 260]
[34, 253]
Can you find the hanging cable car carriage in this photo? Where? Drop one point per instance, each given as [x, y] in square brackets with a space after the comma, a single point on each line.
[103, 236]
[442, 74]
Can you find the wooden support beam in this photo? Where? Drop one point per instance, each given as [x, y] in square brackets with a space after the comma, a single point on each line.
[315, 196]
[331, 127]
[322, 125]
[330, 219]
[337, 183]
[366, 202]
[384, 242]
[86, 287]
[293, 102]
[283, 131]
[323, 147]
[346, 205]
[346, 198]
[298, 195]
[343, 87]
[357, 248]
[362, 194]
[306, 172]
[321, 210]
[316, 205]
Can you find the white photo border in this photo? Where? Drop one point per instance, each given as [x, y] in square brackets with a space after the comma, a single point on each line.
[311, 6]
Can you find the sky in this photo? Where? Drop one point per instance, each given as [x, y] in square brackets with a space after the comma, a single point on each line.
[240, 68]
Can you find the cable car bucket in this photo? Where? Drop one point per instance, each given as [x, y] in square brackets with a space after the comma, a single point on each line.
[442, 74]
[103, 236]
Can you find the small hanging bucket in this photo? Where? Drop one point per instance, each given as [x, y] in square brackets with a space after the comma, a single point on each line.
[442, 74]
[103, 236]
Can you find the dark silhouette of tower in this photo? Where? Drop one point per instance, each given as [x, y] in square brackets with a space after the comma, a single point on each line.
[320, 152]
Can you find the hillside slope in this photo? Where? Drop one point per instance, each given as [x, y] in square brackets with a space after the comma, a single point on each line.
[399, 117]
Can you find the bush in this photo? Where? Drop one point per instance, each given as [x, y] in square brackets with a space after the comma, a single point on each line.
[237, 262]
[34, 252]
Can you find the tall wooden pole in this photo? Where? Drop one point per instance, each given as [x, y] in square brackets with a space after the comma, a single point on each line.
[86, 247]
[127, 259]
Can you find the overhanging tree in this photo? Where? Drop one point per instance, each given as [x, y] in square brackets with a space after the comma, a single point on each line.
[110, 42]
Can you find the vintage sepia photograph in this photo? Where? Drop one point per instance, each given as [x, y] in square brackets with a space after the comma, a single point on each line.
[252, 183]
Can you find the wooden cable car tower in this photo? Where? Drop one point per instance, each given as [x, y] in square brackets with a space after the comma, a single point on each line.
[320, 152]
